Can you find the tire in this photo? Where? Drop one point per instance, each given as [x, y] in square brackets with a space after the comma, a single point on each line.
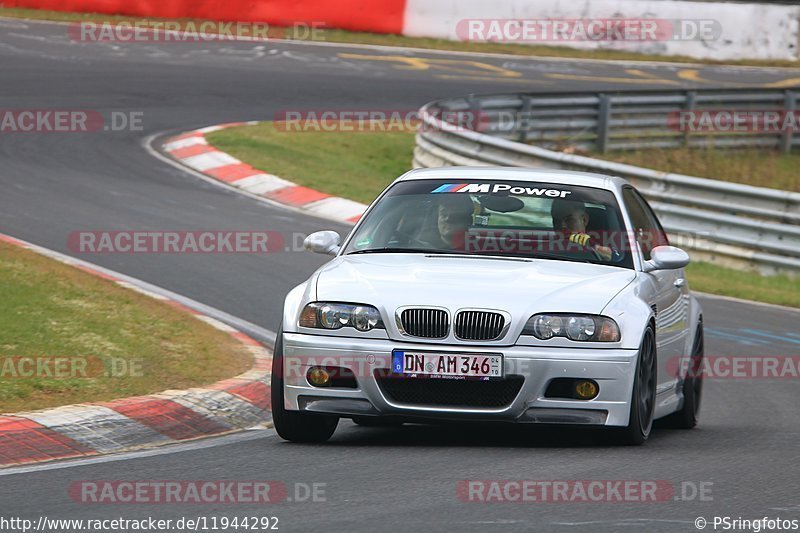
[377, 422]
[692, 387]
[643, 398]
[295, 426]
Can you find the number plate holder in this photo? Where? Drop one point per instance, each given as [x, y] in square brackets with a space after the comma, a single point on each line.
[447, 365]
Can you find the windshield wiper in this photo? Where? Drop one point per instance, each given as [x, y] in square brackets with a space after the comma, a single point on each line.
[391, 250]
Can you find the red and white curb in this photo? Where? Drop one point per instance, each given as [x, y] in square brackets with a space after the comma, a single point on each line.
[81, 430]
[192, 149]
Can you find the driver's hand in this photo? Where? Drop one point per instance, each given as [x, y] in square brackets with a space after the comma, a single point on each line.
[580, 238]
[585, 240]
[604, 252]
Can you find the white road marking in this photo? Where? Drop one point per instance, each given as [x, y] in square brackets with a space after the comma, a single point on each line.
[97, 427]
[261, 183]
[338, 208]
[185, 143]
[210, 160]
[210, 442]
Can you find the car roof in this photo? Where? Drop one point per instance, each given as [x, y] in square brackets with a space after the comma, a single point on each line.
[566, 177]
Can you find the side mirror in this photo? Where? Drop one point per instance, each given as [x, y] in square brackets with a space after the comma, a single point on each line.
[323, 242]
[666, 258]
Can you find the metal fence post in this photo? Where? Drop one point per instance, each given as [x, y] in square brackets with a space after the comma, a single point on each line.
[688, 107]
[475, 112]
[522, 125]
[603, 118]
[786, 135]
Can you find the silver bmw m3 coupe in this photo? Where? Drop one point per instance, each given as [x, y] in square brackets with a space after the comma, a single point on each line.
[493, 294]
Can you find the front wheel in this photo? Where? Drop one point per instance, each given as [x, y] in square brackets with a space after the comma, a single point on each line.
[295, 426]
[643, 398]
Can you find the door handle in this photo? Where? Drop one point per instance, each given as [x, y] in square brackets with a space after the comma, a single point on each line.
[680, 282]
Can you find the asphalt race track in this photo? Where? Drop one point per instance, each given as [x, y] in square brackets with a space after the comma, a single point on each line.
[375, 479]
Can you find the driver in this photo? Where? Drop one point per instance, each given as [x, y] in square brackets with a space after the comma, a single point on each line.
[453, 218]
[571, 216]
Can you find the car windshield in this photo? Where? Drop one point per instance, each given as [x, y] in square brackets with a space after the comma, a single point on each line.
[499, 218]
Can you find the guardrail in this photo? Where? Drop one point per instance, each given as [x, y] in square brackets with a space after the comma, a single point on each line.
[736, 225]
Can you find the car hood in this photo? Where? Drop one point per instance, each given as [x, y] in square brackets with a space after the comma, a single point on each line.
[520, 287]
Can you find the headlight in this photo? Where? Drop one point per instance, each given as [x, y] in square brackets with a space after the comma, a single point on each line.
[589, 328]
[335, 316]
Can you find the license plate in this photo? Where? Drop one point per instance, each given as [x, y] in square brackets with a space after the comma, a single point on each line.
[447, 365]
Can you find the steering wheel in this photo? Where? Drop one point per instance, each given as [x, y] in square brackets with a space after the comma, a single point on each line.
[596, 254]
[590, 249]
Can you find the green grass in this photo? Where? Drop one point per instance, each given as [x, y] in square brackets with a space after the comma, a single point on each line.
[352, 165]
[342, 36]
[751, 166]
[360, 165]
[780, 290]
[49, 309]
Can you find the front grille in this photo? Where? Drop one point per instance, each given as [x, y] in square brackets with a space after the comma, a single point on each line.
[425, 323]
[479, 325]
[449, 392]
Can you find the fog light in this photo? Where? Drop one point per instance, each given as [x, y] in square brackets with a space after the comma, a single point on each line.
[318, 376]
[586, 389]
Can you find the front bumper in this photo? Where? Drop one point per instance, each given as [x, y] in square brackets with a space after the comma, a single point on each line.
[613, 370]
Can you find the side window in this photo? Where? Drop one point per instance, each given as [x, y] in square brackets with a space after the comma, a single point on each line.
[648, 230]
[659, 237]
